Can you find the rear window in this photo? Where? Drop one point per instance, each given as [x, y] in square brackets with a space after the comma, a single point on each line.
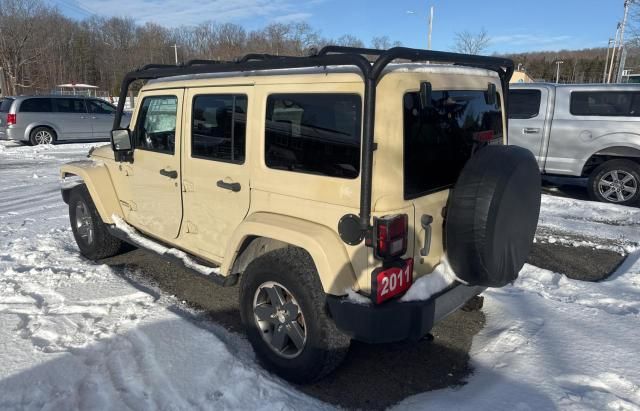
[438, 140]
[314, 134]
[36, 105]
[524, 104]
[5, 105]
[605, 103]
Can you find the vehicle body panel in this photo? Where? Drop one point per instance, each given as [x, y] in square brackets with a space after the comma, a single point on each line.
[290, 207]
[67, 126]
[569, 141]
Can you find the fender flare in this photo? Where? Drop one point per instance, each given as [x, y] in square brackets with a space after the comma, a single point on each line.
[325, 247]
[94, 174]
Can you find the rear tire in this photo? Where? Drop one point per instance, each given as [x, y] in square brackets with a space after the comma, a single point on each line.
[289, 275]
[89, 231]
[616, 182]
[42, 135]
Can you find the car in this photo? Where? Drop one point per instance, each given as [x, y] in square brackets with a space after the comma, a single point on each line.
[582, 131]
[327, 186]
[49, 119]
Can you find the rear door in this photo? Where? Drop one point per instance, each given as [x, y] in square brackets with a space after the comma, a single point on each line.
[102, 114]
[438, 141]
[215, 171]
[527, 116]
[155, 202]
[71, 118]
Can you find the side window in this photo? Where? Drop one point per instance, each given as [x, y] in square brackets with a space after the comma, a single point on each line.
[218, 127]
[69, 105]
[36, 105]
[100, 107]
[524, 104]
[603, 103]
[156, 125]
[314, 133]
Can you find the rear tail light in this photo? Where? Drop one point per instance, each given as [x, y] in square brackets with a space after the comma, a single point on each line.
[11, 119]
[390, 234]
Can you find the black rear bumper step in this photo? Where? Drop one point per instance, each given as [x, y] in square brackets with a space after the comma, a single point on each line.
[397, 321]
[224, 281]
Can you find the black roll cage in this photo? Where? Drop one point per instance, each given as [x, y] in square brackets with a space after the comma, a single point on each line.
[352, 228]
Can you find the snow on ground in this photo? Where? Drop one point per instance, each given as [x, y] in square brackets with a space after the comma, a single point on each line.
[590, 224]
[76, 335]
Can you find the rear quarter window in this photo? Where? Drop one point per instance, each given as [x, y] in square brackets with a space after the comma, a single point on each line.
[36, 105]
[5, 105]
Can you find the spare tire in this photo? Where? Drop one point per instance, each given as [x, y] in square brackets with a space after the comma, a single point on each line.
[492, 215]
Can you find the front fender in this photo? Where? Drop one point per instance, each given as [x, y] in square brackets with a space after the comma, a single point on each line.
[325, 247]
[98, 181]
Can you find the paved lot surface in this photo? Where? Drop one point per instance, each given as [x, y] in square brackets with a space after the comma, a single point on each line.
[393, 371]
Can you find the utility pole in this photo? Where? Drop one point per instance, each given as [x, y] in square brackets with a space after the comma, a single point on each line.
[430, 27]
[606, 61]
[558, 62]
[622, 53]
[175, 49]
[613, 54]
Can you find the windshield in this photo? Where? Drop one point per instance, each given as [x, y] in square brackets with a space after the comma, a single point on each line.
[438, 140]
[5, 105]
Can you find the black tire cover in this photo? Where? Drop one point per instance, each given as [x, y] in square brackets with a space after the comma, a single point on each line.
[492, 215]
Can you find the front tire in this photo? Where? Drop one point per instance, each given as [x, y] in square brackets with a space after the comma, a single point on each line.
[616, 181]
[42, 135]
[282, 307]
[89, 231]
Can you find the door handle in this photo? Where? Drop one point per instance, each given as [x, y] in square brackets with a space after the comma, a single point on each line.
[530, 130]
[425, 222]
[235, 187]
[169, 173]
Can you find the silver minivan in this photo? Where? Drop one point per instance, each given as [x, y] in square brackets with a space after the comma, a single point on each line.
[48, 119]
[582, 131]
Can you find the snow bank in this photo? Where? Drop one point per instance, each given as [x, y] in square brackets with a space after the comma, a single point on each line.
[427, 286]
[553, 343]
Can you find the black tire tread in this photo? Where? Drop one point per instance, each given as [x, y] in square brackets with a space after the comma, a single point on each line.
[297, 262]
[104, 244]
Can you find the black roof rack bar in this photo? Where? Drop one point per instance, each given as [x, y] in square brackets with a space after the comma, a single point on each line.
[330, 56]
[344, 50]
[259, 56]
[199, 61]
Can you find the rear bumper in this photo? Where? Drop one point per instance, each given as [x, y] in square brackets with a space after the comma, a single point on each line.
[10, 133]
[395, 320]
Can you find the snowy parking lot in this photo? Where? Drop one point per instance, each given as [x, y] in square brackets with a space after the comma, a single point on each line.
[79, 335]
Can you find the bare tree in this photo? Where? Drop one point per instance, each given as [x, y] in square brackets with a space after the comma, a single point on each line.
[384, 42]
[469, 43]
[348, 40]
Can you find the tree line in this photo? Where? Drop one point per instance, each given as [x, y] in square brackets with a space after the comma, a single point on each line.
[40, 47]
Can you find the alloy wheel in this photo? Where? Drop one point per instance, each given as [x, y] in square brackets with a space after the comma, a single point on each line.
[280, 320]
[617, 186]
[84, 223]
[43, 137]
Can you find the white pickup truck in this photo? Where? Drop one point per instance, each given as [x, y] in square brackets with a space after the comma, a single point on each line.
[584, 131]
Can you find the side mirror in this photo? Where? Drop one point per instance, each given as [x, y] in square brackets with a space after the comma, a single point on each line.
[425, 95]
[121, 144]
[121, 139]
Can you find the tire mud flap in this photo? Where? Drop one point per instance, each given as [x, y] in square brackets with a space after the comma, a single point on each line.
[492, 215]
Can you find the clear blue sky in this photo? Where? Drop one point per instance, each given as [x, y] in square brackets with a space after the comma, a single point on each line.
[514, 26]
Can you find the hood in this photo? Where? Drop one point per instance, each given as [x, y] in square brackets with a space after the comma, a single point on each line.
[104, 151]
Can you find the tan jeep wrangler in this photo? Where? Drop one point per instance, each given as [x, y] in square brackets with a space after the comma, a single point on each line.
[327, 185]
